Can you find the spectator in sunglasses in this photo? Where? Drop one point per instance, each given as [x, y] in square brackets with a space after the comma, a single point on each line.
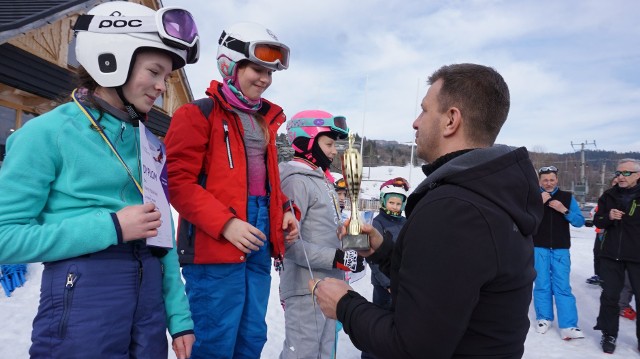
[552, 257]
[461, 269]
[224, 182]
[619, 216]
[626, 311]
[595, 279]
[71, 197]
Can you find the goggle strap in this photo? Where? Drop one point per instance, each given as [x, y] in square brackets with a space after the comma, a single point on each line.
[115, 24]
[82, 23]
[329, 123]
[234, 44]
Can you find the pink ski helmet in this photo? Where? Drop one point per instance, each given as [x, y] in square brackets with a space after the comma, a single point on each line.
[309, 124]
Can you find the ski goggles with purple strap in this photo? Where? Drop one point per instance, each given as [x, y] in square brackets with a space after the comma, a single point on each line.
[175, 27]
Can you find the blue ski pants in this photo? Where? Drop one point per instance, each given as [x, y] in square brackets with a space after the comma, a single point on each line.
[552, 282]
[229, 301]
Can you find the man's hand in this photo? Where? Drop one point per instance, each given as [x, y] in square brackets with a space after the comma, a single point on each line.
[558, 206]
[182, 346]
[290, 227]
[545, 197]
[328, 292]
[244, 236]
[615, 214]
[375, 238]
[139, 221]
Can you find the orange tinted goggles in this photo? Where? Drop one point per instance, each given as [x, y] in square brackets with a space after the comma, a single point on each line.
[271, 56]
[269, 53]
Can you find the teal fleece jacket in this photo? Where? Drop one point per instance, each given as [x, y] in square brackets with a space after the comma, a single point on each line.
[59, 184]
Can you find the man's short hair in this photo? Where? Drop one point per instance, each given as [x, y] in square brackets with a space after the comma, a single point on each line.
[481, 95]
[635, 162]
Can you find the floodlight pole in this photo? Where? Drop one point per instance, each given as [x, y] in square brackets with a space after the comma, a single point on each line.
[583, 179]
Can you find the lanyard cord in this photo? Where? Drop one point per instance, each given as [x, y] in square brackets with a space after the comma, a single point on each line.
[98, 128]
[304, 249]
[306, 257]
[334, 198]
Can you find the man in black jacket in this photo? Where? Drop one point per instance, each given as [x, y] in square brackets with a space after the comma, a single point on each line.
[462, 268]
[618, 214]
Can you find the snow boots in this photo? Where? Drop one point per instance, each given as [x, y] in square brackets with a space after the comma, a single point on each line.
[608, 343]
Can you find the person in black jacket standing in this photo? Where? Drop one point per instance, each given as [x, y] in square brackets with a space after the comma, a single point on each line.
[619, 216]
[462, 268]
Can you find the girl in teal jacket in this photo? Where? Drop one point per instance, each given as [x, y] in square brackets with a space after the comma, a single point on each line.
[71, 196]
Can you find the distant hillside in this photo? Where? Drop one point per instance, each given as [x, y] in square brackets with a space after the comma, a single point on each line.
[375, 152]
[599, 164]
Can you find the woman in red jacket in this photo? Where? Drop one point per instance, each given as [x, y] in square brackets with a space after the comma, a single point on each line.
[224, 182]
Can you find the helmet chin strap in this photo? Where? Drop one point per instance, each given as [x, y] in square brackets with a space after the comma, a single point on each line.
[134, 114]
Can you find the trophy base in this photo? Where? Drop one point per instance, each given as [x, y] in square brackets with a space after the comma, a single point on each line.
[358, 242]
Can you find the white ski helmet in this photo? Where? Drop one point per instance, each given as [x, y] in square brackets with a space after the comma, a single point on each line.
[398, 186]
[108, 36]
[253, 42]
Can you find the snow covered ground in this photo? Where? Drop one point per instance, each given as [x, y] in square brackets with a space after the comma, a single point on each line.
[17, 312]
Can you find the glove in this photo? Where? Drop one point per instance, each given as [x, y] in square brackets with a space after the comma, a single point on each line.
[12, 276]
[348, 261]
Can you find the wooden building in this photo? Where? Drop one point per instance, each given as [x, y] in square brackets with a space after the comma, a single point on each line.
[37, 63]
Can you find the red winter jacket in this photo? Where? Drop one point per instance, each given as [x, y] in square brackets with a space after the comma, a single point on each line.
[215, 147]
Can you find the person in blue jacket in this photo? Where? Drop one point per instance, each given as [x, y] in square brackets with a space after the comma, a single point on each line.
[71, 196]
[389, 222]
[552, 258]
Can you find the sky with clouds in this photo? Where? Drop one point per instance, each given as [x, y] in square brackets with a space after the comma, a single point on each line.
[572, 66]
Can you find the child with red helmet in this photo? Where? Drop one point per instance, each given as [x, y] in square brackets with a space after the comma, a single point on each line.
[389, 222]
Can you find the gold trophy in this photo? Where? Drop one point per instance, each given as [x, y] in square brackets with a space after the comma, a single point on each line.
[352, 173]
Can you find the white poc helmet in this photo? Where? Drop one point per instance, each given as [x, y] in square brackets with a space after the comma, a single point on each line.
[110, 34]
[253, 42]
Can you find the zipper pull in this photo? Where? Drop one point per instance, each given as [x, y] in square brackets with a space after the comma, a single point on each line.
[122, 128]
[71, 280]
[225, 126]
